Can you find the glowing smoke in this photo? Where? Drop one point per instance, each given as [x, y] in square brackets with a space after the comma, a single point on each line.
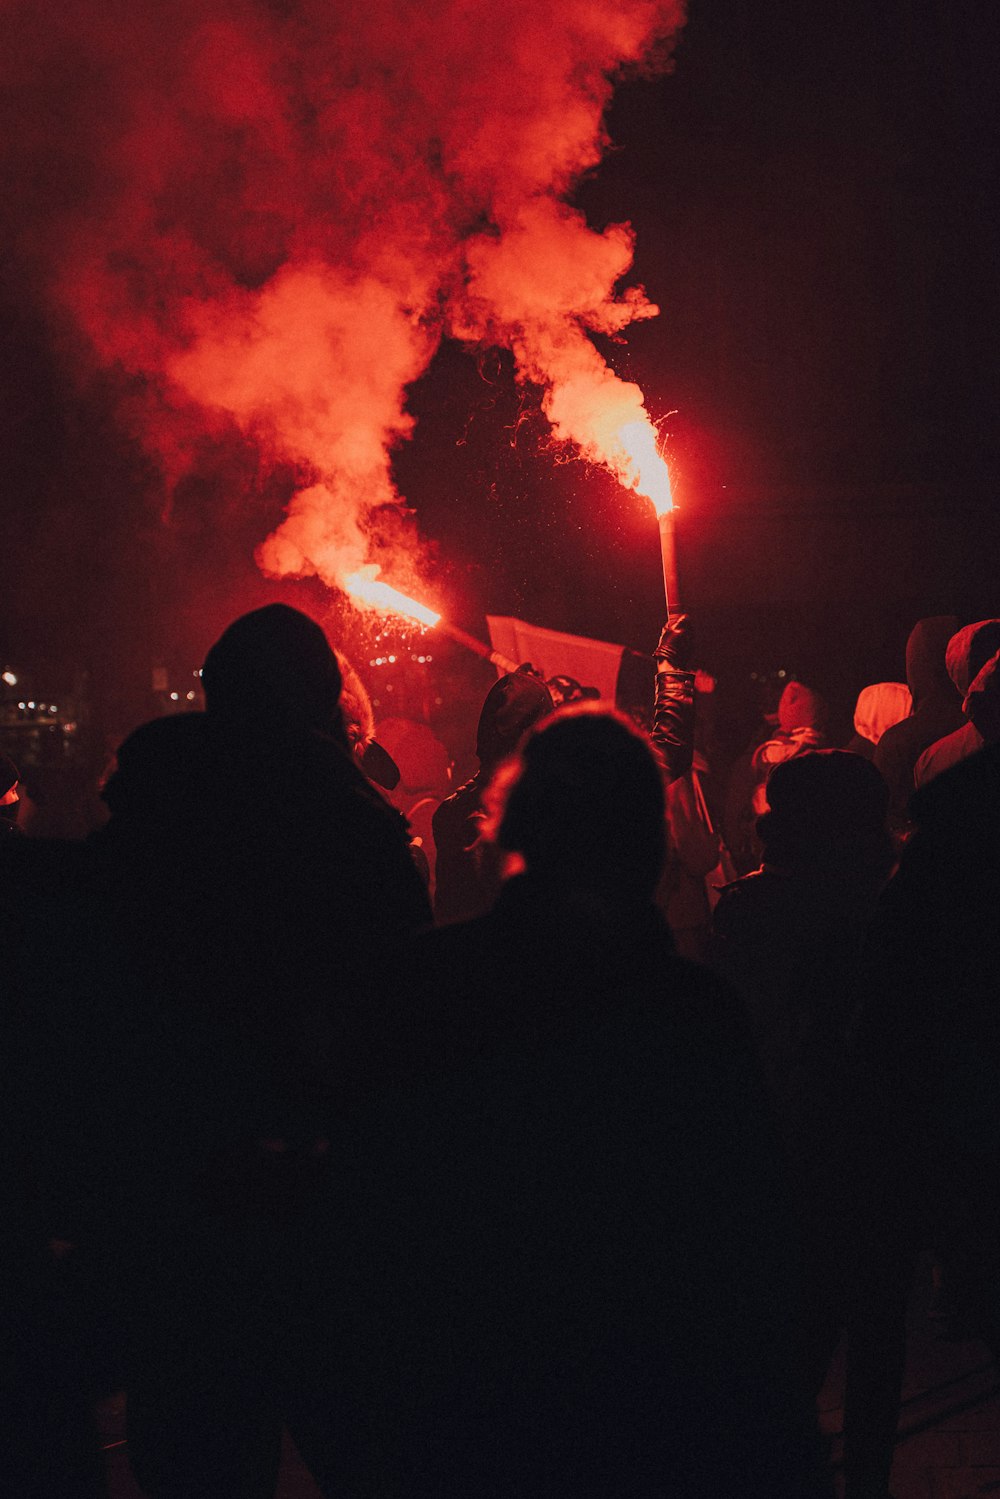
[270, 215]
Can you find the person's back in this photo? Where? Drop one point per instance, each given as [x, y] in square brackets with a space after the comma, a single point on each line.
[254, 887]
[600, 1295]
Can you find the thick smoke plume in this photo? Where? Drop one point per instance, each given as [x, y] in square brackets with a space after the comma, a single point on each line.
[271, 213]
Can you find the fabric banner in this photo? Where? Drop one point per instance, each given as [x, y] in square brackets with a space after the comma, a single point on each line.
[592, 663]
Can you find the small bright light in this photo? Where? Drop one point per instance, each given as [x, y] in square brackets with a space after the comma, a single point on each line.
[31, 705]
[190, 697]
[22, 706]
[392, 660]
[10, 679]
[175, 697]
[53, 708]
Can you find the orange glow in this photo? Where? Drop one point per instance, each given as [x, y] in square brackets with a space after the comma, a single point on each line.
[366, 588]
[644, 468]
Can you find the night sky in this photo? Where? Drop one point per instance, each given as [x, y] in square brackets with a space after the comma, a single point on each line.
[814, 190]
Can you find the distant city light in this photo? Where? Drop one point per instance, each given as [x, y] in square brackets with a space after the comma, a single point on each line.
[22, 706]
[10, 679]
[175, 697]
[190, 697]
[31, 705]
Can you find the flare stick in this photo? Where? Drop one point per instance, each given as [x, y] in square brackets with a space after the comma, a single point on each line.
[668, 555]
[477, 646]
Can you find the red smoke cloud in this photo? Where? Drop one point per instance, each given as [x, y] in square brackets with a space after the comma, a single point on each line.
[271, 213]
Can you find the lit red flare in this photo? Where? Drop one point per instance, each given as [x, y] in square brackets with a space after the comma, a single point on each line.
[368, 589]
[644, 469]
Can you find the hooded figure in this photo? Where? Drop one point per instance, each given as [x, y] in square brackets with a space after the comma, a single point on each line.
[878, 707]
[467, 877]
[971, 662]
[937, 710]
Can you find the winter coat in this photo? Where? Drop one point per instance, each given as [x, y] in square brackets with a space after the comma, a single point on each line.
[585, 1221]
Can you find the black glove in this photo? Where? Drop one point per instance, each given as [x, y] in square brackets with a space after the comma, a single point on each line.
[674, 649]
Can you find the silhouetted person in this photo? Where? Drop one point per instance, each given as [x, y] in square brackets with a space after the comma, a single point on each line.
[972, 666]
[255, 886]
[928, 1044]
[587, 1214]
[50, 1345]
[466, 875]
[790, 938]
[937, 710]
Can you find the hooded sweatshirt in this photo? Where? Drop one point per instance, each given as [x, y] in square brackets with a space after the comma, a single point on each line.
[937, 710]
[971, 661]
[879, 707]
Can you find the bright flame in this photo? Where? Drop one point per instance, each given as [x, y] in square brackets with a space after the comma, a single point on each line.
[367, 589]
[645, 470]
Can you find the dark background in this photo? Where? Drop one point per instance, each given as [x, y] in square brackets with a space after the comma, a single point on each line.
[814, 194]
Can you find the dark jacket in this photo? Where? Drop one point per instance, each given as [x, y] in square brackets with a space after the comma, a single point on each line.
[252, 898]
[585, 1212]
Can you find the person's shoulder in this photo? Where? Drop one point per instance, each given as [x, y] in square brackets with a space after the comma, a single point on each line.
[947, 752]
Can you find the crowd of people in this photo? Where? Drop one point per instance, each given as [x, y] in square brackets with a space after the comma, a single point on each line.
[542, 1144]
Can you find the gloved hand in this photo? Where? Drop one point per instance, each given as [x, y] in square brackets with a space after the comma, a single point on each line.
[674, 650]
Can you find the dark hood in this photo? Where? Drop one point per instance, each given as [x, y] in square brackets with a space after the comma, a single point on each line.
[969, 650]
[926, 673]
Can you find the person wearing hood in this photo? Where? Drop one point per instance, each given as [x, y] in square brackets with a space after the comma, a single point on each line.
[878, 708]
[937, 710]
[972, 662]
[466, 875]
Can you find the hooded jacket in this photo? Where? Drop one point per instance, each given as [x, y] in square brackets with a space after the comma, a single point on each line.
[971, 659]
[878, 708]
[937, 710]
